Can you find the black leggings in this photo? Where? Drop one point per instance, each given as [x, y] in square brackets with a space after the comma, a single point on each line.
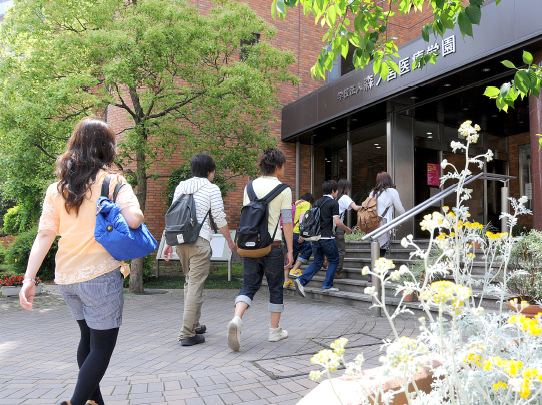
[93, 355]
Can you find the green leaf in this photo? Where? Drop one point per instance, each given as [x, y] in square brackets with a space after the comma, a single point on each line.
[505, 89]
[536, 90]
[521, 81]
[539, 141]
[370, 46]
[465, 24]
[474, 13]
[280, 6]
[508, 64]
[393, 65]
[527, 58]
[439, 3]
[491, 91]
[425, 33]
[273, 9]
[385, 71]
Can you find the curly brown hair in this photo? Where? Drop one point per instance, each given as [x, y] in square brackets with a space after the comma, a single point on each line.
[91, 147]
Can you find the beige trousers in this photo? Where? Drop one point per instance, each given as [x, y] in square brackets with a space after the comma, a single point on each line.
[196, 261]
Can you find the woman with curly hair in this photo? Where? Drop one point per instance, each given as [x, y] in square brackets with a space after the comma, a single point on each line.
[89, 279]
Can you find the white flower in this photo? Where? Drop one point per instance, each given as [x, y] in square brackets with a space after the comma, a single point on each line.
[410, 237]
[523, 200]
[370, 291]
[489, 155]
[456, 145]
[365, 271]
[444, 163]
[395, 275]
[316, 375]
[404, 243]
[403, 269]
[477, 312]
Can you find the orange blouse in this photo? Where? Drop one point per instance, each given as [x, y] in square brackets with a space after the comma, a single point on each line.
[80, 257]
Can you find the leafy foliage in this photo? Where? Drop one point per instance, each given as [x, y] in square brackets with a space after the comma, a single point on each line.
[17, 220]
[19, 251]
[526, 259]
[368, 32]
[183, 173]
[526, 81]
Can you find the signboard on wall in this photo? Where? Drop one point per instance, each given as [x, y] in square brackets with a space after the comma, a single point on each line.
[433, 174]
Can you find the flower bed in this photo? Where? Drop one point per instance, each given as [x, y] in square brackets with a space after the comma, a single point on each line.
[11, 284]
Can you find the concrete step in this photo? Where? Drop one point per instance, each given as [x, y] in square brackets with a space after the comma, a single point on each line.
[351, 293]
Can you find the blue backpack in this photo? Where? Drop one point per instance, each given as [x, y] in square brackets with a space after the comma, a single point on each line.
[114, 234]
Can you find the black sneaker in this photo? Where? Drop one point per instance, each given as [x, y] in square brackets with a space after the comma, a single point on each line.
[201, 329]
[194, 340]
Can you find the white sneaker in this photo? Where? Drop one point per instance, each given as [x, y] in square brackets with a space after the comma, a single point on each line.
[276, 334]
[334, 289]
[234, 333]
[299, 288]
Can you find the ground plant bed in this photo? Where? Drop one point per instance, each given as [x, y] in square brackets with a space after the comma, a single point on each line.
[14, 290]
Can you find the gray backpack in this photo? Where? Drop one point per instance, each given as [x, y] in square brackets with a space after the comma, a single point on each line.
[182, 227]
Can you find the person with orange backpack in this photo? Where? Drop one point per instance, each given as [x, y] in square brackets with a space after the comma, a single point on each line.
[373, 214]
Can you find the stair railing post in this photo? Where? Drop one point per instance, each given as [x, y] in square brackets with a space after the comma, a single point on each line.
[376, 312]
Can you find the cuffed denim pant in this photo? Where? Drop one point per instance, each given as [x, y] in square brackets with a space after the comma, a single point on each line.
[196, 262]
[321, 248]
[302, 251]
[254, 268]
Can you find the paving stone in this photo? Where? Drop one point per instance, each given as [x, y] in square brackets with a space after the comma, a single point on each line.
[150, 367]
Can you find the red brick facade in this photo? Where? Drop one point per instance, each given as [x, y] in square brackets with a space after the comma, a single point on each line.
[302, 37]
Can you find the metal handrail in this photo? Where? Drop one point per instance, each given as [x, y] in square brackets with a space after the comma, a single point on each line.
[437, 197]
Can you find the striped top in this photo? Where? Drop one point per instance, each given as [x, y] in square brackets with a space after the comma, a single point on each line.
[207, 197]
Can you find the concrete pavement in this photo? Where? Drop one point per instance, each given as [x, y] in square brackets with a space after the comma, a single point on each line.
[149, 366]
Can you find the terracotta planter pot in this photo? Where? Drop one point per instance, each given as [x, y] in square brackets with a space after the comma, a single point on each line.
[14, 291]
[530, 312]
[408, 297]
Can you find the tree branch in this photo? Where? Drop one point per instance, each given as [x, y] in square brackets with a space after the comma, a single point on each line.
[44, 151]
[176, 106]
[123, 104]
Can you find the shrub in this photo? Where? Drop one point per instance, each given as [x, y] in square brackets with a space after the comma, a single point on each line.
[183, 173]
[525, 263]
[12, 220]
[19, 251]
[148, 263]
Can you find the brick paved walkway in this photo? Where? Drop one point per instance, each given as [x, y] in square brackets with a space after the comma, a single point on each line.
[149, 366]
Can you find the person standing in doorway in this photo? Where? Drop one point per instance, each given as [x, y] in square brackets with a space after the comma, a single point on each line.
[196, 257]
[272, 166]
[326, 246]
[387, 200]
[88, 278]
[345, 204]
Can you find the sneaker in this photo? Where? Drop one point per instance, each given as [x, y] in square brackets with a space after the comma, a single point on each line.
[194, 340]
[234, 333]
[276, 334]
[334, 289]
[288, 283]
[296, 273]
[299, 288]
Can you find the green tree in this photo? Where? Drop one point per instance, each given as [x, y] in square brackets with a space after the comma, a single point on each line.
[175, 72]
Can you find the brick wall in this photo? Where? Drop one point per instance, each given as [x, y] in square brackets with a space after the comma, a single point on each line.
[302, 37]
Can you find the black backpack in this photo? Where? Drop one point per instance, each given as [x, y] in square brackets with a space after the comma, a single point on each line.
[182, 227]
[310, 228]
[253, 238]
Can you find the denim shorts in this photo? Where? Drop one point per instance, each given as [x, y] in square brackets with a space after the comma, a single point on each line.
[98, 301]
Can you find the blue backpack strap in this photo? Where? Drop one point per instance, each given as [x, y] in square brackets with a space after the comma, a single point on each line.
[250, 192]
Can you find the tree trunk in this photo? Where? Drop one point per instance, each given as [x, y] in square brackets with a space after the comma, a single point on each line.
[136, 271]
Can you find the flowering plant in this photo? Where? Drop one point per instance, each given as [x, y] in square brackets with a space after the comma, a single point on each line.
[486, 357]
[13, 280]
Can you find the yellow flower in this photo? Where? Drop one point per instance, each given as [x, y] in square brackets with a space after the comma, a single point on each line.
[524, 390]
[499, 385]
[15, 260]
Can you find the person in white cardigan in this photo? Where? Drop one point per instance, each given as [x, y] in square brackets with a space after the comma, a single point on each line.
[387, 201]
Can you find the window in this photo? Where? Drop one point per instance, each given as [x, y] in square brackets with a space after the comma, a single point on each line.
[246, 43]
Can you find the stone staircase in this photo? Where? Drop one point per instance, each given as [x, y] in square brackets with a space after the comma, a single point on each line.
[353, 283]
